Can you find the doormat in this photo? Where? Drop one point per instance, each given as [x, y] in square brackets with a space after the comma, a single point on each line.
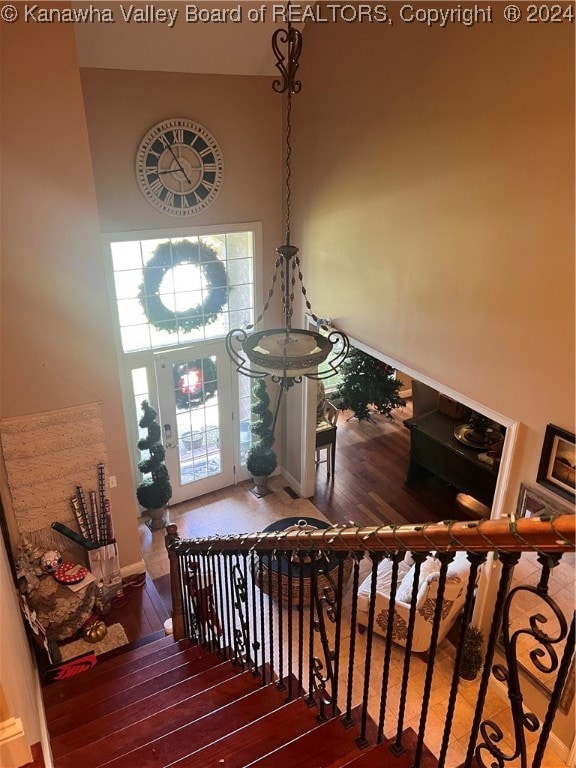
[115, 638]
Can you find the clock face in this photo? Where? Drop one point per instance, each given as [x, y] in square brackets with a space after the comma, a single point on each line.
[179, 167]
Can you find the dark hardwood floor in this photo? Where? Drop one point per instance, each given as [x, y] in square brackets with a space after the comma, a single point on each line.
[367, 488]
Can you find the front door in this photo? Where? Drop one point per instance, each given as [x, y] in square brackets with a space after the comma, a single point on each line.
[197, 418]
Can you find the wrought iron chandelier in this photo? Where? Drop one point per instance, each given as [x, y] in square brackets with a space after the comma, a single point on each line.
[287, 354]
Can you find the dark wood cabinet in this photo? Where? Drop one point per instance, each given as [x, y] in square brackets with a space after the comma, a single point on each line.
[433, 448]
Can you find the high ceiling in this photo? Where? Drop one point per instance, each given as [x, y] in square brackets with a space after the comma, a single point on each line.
[234, 46]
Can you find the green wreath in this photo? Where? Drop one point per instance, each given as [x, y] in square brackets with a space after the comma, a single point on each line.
[195, 382]
[166, 257]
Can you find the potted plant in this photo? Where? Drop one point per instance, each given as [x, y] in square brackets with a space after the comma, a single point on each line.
[154, 492]
[472, 656]
[261, 460]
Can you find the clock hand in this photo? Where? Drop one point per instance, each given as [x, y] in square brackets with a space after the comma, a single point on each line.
[178, 163]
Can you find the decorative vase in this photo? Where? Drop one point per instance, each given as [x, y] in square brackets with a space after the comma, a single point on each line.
[156, 518]
[260, 486]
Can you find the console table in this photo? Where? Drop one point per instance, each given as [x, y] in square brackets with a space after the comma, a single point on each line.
[434, 449]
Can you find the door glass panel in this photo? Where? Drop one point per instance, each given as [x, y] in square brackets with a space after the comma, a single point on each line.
[197, 418]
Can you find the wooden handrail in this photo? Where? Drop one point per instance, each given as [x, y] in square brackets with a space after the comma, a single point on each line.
[543, 534]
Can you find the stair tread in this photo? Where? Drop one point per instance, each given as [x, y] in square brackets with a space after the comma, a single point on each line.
[169, 696]
[323, 745]
[208, 732]
[380, 755]
[129, 661]
[115, 740]
[120, 682]
[73, 717]
[247, 744]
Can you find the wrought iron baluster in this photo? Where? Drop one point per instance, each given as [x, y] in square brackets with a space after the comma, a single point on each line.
[300, 621]
[270, 555]
[249, 575]
[325, 608]
[509, 560]
[242, 632]
[357, 557]
[396, 558]
[210, 617]
[193, 581]
[290, 601]
[342, 557]
[257, 581]
[280, 684]
[397, 748]
[362, 741]
[445, 559]
[509, 674]
[233, 650]
[476, 559]
[201, 597]
[221, 606]
[561, 681]
[312, 599]
[184, 568]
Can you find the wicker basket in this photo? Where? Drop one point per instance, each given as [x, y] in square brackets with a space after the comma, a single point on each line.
[327, 580]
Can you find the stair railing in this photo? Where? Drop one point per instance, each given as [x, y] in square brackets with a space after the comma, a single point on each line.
[273, 603]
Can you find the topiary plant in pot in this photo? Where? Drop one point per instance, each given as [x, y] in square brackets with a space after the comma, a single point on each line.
[261, 460]
[472, 656]
[155, 492]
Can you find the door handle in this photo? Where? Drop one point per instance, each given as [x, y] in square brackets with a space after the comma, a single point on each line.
[168, 435]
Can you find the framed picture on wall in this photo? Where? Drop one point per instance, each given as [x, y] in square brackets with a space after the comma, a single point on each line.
[558, 462]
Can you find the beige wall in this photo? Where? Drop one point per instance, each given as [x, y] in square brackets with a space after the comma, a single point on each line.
[56, 335]
[434, 197]
[242, 113]
[57, 339]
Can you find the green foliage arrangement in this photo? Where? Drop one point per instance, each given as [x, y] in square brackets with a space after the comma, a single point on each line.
[368, 381]
[172, 254]
[154, 492]
[472, 657]
[261, 459]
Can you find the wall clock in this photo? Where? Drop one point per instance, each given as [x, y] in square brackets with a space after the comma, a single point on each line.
[179, 167]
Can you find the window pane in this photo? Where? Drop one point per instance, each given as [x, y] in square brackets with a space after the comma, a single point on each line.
[180, 295]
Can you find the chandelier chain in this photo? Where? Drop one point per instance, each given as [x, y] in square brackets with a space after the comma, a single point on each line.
[288, 163]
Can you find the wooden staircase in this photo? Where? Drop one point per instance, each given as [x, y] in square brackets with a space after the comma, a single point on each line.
[170, 703]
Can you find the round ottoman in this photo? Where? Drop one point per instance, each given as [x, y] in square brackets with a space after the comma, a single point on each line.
[274, 571]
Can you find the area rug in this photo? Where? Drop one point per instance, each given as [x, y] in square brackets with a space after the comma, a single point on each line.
[115, 638]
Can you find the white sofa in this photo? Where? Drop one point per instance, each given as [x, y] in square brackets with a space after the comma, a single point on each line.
[454, 598]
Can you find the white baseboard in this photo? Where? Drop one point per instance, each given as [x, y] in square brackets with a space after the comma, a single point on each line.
[292, 482]
[134, 569]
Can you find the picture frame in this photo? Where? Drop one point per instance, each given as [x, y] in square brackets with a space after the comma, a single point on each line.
[557, 468]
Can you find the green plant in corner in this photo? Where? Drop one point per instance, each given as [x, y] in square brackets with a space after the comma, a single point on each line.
[472, 656]
[154, 492]
[261, 460]
[368, 381]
